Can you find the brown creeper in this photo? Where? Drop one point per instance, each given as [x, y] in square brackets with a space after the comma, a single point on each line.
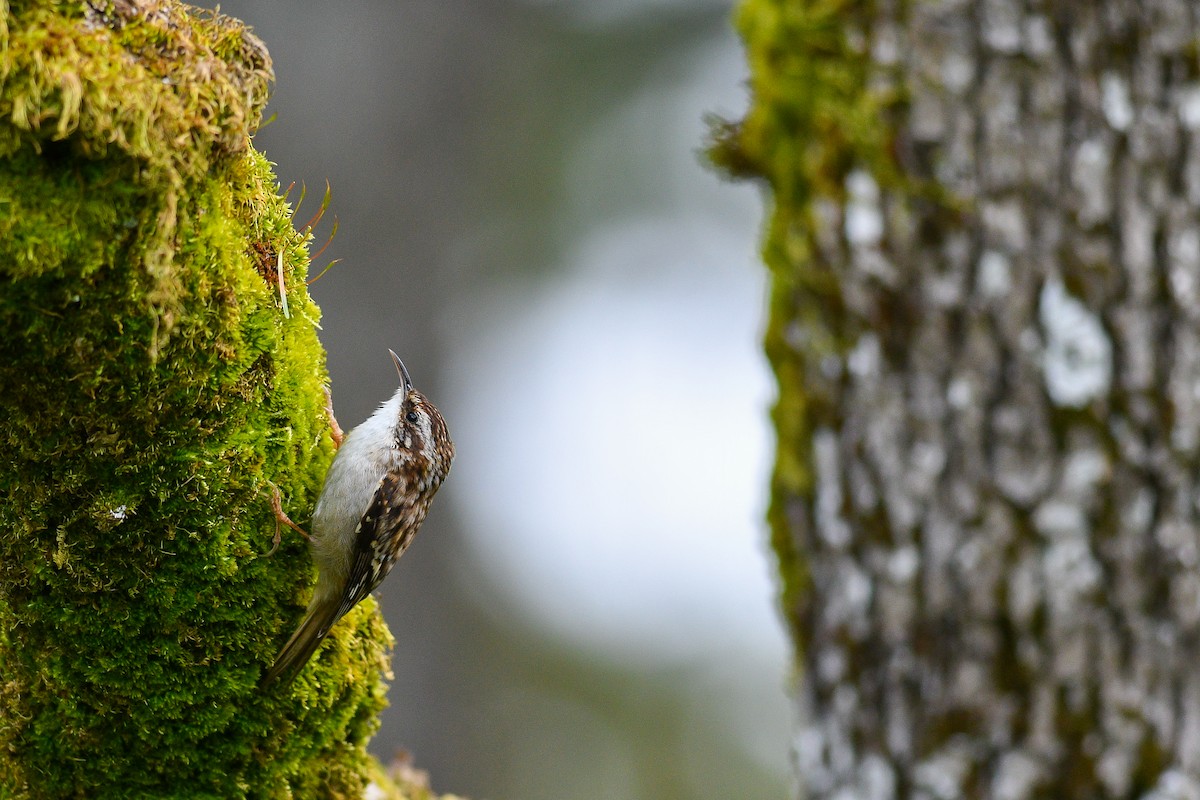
[376, 495]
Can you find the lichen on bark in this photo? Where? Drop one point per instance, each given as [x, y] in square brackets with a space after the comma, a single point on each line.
[984, 259]
[151, 384]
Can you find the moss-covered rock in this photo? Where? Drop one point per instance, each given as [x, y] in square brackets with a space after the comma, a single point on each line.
[152, 382]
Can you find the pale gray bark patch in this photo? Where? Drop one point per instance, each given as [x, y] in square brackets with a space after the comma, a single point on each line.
[1003, 535]
[1077, 354]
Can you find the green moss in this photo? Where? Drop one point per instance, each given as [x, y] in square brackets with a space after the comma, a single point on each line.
[811, 121]
[150, 386]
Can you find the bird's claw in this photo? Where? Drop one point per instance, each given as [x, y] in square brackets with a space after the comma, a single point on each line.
[282, 519]
[335, 430]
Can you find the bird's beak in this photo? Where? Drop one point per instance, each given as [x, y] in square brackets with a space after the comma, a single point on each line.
[400, 368]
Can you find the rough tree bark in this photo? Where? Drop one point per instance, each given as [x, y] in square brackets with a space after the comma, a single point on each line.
[156, 371]
[985, 322]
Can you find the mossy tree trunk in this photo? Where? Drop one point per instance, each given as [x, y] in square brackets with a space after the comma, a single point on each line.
[156, 372]
[984, 249]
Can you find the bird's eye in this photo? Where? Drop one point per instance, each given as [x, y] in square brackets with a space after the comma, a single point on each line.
[411, 416]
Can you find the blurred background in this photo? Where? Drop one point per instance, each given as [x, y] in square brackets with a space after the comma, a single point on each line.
[589, 611]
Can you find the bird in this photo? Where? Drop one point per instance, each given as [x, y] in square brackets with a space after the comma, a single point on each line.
[375, 496]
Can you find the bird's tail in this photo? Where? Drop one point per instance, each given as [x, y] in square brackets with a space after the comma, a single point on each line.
[299, 649]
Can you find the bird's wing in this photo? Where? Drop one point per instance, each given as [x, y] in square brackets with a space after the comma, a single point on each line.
[383, 532]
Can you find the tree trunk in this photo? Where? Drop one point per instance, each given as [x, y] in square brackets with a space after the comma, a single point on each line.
[156, 372]
[985, 323]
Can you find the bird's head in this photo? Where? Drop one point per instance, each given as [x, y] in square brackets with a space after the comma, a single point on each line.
[421, 433]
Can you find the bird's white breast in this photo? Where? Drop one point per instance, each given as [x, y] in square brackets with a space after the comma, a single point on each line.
[364, 457]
